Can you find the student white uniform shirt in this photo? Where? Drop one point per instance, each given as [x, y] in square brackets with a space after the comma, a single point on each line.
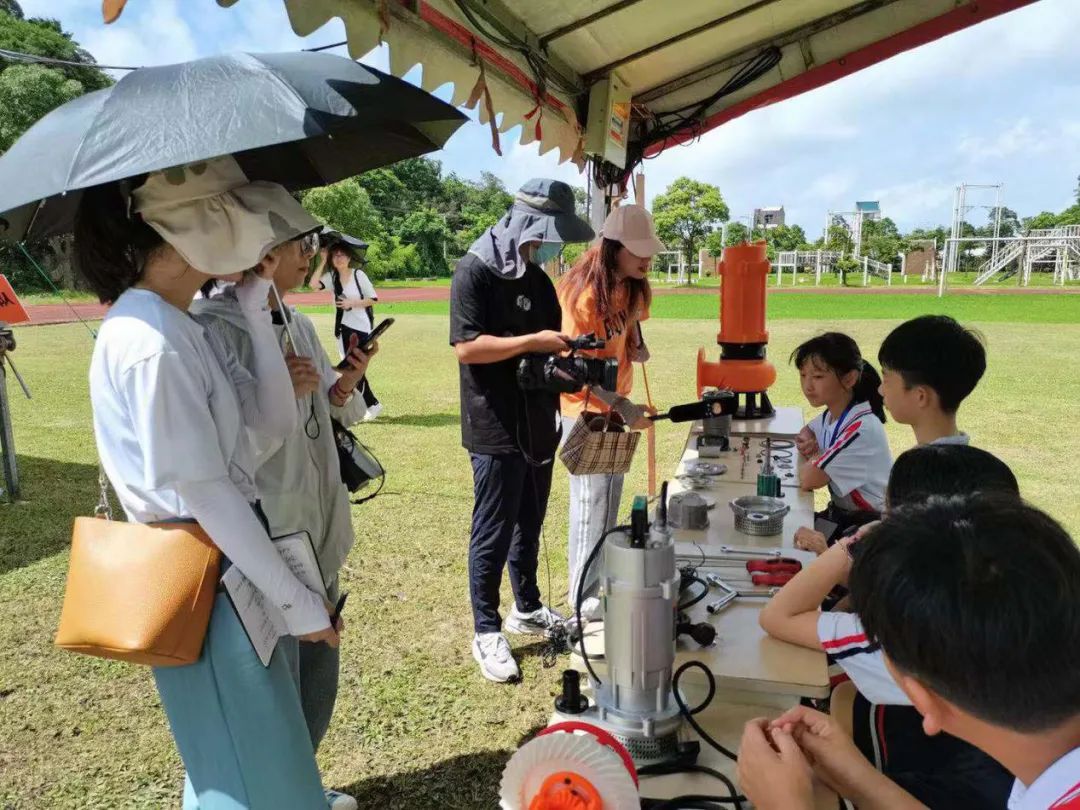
[845, 644]
[856, 456]
[1057, 788]
[354, 284]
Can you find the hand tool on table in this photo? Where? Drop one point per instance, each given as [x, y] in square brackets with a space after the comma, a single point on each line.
[773, 571]
[730, 594]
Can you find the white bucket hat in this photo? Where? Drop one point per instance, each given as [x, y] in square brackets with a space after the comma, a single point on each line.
[217, 219]
[632, 226]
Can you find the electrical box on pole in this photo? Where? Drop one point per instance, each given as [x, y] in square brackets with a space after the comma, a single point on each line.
[608, 128]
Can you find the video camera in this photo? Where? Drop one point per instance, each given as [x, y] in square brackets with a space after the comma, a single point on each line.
[569, 374]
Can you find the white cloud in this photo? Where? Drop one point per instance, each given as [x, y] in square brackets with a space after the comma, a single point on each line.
[148, 34]
[923, 201]
[1022, 139]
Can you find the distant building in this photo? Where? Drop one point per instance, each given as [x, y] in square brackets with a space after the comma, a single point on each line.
[922, 258]
[772, 217]
[870, 209]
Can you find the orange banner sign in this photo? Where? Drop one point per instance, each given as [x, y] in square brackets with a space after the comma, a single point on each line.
[11, 311]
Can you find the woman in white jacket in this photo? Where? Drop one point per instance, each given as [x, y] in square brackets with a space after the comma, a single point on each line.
[298, 476]
[170, 411]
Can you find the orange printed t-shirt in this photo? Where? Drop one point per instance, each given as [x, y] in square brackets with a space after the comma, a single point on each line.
[583, 318]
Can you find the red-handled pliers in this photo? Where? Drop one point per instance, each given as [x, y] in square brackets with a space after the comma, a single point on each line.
[773, 571]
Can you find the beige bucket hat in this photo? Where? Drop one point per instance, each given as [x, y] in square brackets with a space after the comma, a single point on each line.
[217, 219]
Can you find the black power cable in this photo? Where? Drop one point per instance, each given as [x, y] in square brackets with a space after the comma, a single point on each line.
[689, 715]
[689, 578]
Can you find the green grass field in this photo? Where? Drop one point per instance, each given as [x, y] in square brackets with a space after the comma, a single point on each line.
[416, 725]
[1033, 308]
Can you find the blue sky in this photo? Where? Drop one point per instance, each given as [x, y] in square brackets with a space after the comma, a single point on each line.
[997, 103]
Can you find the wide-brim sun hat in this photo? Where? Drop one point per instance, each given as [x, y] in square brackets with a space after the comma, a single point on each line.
[216, 219]
[632, 226]
[336, 240]
[553, 200]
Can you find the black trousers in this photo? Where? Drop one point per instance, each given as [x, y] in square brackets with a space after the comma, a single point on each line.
[364, 387]
[511, 498]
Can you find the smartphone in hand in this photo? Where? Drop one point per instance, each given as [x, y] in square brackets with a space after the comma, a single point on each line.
[370, 342]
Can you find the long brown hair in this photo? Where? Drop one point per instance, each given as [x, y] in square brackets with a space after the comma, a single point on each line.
[595, 270]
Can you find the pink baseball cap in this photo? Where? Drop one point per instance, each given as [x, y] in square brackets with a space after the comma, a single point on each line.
[632, 225]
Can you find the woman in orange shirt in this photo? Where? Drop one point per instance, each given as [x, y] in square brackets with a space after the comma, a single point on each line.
[607, 293]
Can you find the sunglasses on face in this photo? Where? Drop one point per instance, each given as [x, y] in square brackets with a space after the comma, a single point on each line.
[309, 244]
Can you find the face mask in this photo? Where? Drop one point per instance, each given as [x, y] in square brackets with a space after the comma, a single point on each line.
[546, 252]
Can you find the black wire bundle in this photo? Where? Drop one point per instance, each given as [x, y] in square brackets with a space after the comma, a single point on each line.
[692, 115]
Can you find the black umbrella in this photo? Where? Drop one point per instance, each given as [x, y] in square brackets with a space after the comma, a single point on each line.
[300, 119]
[329, 238]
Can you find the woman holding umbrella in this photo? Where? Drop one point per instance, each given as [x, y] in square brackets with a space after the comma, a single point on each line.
[169, 415]
[170, 404]
[355, 297]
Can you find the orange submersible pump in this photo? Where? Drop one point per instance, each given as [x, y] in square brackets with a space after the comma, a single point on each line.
[742, 367]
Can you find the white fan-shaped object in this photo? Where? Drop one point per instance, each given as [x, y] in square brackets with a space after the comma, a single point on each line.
[543, 756]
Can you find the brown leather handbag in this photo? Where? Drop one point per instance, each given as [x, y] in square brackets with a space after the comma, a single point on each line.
[138, 592]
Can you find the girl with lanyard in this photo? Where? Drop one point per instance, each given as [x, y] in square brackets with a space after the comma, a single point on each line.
[845, 447]
[170, 406]
[299, 477]
[355, 297]
[606, 293]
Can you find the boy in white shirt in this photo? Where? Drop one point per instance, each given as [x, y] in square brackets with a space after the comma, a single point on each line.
[985, 642]
[929, 365]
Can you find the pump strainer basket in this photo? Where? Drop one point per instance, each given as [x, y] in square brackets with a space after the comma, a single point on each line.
[759, 515]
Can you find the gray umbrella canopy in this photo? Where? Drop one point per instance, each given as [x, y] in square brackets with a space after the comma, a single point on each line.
[299, 119]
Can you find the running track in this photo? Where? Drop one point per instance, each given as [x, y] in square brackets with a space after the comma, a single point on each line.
[43, 314]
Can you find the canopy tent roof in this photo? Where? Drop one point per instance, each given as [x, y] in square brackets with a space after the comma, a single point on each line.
[690, 66]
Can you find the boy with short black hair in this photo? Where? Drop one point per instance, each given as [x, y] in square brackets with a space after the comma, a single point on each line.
[985, 642]
[929, 365]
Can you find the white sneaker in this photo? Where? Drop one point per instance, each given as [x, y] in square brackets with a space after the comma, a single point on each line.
[538, 623]
[492, 653]
[340, 801]
[373, 412]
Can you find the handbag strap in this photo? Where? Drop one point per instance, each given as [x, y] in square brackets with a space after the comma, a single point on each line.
[103, 508]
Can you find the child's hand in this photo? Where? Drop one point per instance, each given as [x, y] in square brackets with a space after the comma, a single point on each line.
[809, 540]
[806, 443]
[773, 773]
[836, 759]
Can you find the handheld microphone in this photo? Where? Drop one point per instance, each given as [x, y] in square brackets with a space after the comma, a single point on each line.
[718, 403]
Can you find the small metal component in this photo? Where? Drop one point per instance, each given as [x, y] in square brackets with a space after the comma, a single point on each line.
[715, 607]
[759, 515]
[688, 510]
[750, 552]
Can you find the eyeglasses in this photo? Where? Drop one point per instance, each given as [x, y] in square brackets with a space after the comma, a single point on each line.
[309, 244]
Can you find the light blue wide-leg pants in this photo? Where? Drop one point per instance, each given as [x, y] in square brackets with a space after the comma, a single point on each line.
[239, 726]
